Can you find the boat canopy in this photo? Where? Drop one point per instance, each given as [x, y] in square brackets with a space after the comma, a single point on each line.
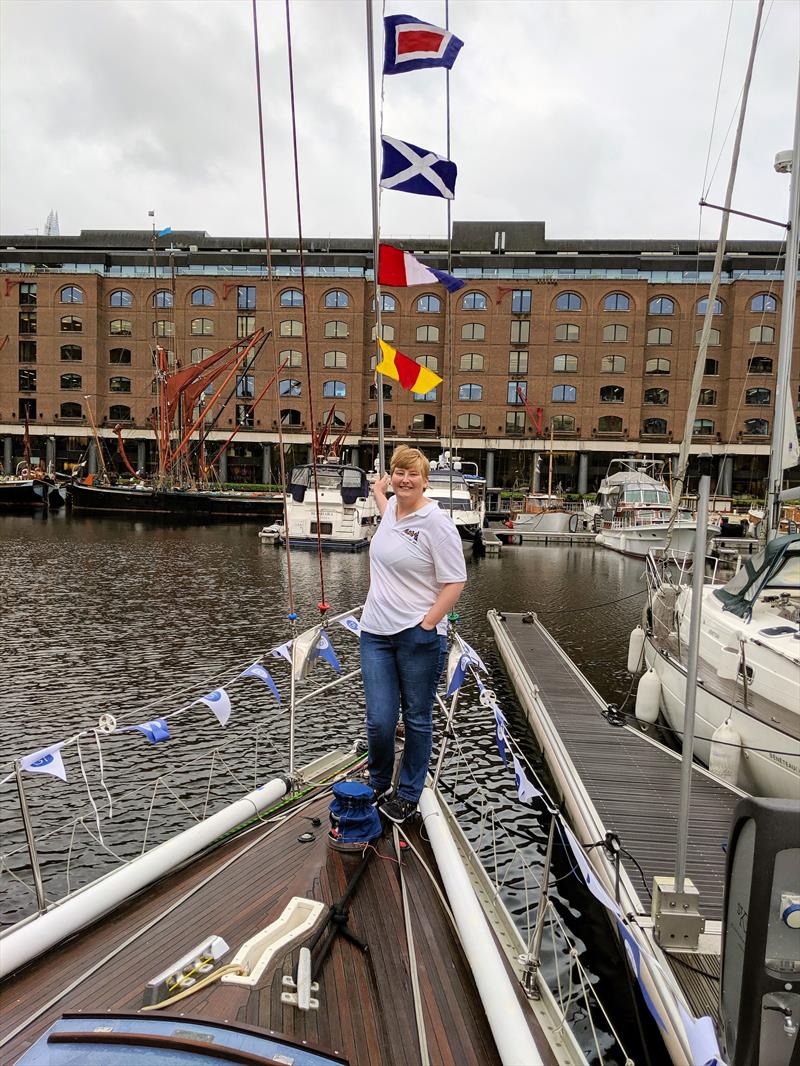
[778, 566]
[350, 480]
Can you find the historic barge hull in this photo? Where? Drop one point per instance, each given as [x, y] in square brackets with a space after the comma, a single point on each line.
[174, 503]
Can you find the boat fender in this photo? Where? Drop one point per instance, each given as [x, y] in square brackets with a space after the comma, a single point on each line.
[635, 650]
[728, 663]
[574, 522]
[648, 697]
[726, 752]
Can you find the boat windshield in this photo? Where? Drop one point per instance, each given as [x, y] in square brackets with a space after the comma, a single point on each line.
[778, 566]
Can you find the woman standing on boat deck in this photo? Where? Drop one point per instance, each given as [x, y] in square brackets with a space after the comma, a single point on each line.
[417, 572]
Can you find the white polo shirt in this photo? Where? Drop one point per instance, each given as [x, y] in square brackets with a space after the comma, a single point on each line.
[410, 559]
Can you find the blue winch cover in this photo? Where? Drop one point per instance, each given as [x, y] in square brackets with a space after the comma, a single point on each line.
[352, 813]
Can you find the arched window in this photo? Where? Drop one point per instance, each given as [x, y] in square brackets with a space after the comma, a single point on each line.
[387, 331]
[203, 298]
[569, 301]
[612, 364]
[757, 427]
[702, 306]
[163, 298]
[430, 361]
[120, 355]
[289, 387]
[609, 424]
[71, 324]
[199, 354]
[707, 398]
[762, 335]
[122, 327]
[70, 410]
[291, 358]
[473, 301]
[615, 333]
[469, 421]
[334, 390]
[657, 366]
[617, 301]
[757, 397]
[418, 396]
[567, 364]
[659, 335]
[564, 394]
[121, 298]
[118, 384]
[387, 392]
[424, 421]
[202, 327]
[470, 391]
[388, 303]
[71, 353]
[661, 305]
[335, 329]
[612, 394]
[765, 301]
[711, 368]
[713, 337]
[119, 412]
[563, 423]
[334, 359]
[164, 328]
[703, 427]
[759, 364]
[568, 331]
[337, 298]
[473, 331]
[291, 327]
[427, 334]
[71, 381]
[471, 361]
[338, 419]
[654, 426]
[71, 294]
[291, 298]
[429, 304]
[372, 421]
[290, 417]
[656, 396]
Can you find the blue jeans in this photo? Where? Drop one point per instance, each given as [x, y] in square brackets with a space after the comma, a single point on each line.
[401, 672]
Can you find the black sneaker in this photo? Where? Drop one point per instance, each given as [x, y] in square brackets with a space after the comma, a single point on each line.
[397, 810]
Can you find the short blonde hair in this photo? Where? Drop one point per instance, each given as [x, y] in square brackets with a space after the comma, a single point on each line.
[410, 459]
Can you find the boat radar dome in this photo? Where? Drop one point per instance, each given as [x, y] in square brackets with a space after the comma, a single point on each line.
[783, 162]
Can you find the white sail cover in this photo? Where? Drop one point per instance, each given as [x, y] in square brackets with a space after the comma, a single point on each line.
[790, 452]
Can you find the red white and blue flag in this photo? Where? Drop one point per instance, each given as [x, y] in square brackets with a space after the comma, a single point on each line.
[401, 270]
[412, 44]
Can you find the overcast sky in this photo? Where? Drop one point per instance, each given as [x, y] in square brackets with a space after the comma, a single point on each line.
[595, 117]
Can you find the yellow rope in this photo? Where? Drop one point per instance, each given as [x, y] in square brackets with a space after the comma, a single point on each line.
[203, 983]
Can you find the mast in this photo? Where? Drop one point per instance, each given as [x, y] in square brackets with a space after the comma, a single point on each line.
[373, 158]
[783, 389]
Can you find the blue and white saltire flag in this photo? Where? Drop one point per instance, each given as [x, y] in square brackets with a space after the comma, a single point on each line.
[283, 652]
[324, 650]
[500, 733]
[587, 873]
[525, 789]
[702, 1039]
[155, 731]
[474, 657]
[261, 672]
[634, 954]
[412, 44]
[352, 624]
[45, 761]
[409, 168]
[164, 232]
[220, 704]
[460, 672]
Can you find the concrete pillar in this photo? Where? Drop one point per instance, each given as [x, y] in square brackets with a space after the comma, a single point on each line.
[583, 473]
[675, 460]
[537, 472]
[489, 469]
[92, 458]
[724, 475]
[310, 454]
[266, 464]
[223, 466]
[8, 454]
[141, 456]
[355, 457]
[50, 453]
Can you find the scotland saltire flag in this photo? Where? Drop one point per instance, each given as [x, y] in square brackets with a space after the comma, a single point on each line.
[635, 955]
[588, 874]
[459, 674]
[474, 657]
[352, 624]
[324, 650]
[500, 734]
[525, 790]
[412, 44]
[155, 731]
[45, 761]
[283, 652]
[409, 168]
[261, 672]
[220, 704]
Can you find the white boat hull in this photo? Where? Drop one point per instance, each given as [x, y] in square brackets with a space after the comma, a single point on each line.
[639, 540]
[543, 522]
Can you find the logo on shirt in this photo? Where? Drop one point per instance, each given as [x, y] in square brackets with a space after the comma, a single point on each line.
[412, 533]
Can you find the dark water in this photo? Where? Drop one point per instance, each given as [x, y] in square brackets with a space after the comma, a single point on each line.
[111, 616]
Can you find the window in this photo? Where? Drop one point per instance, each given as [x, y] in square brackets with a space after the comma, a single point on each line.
[387, 392]
[291, 358]
[661, 305]
[703, 427]
[27, 409]
[757, 397]
[117, 384]
[759, 364]
[659, 335]
[331, 389]
[563, 423]
[246, 298]
[566, 364]
[427, 334]
[203, 298]
[27, 380]
[707, 398]
[70, 410]
[165, 328]
[429, 303]
[245, 386]
[702, 306]
[27, 322]
[387, 331]
[338, 419]
[711, 368]
[468, 421]
[762, 335]
[71, 324]
[121, 298]
[517, 392]
[163, 298]
[612, 364]
[656, 396]
[568, 331]
[245, 325]
[470, 391]
[290, 417]
[569, 301]
[337, 298]
[564, 394]
[119, 412]
[427, 396]
[199, 354]
[473, 301]
[515, 421]
[27, 292]
[289, 387]
[609, 424]
[291, 298]
[473, 331]
[713, 337]
[71, 381]
[518, 362]
[27, 351]
[335, 359]
[71, 294]
[372, 421]
[430, 361]
[424, 421]
[201, 327]
[757, 427]
[612, 394]
[617, 301]
[657, 366]
[520, 332]
[521, 302]
[123, 327]
[334, 329]
[244, 414]
[615, 332]
[763, 302]
[388, 303]
[654, 426]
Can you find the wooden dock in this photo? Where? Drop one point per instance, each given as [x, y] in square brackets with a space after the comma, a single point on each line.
[517, 536]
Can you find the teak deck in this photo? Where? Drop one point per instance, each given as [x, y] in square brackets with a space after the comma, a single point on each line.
[366, 1012]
